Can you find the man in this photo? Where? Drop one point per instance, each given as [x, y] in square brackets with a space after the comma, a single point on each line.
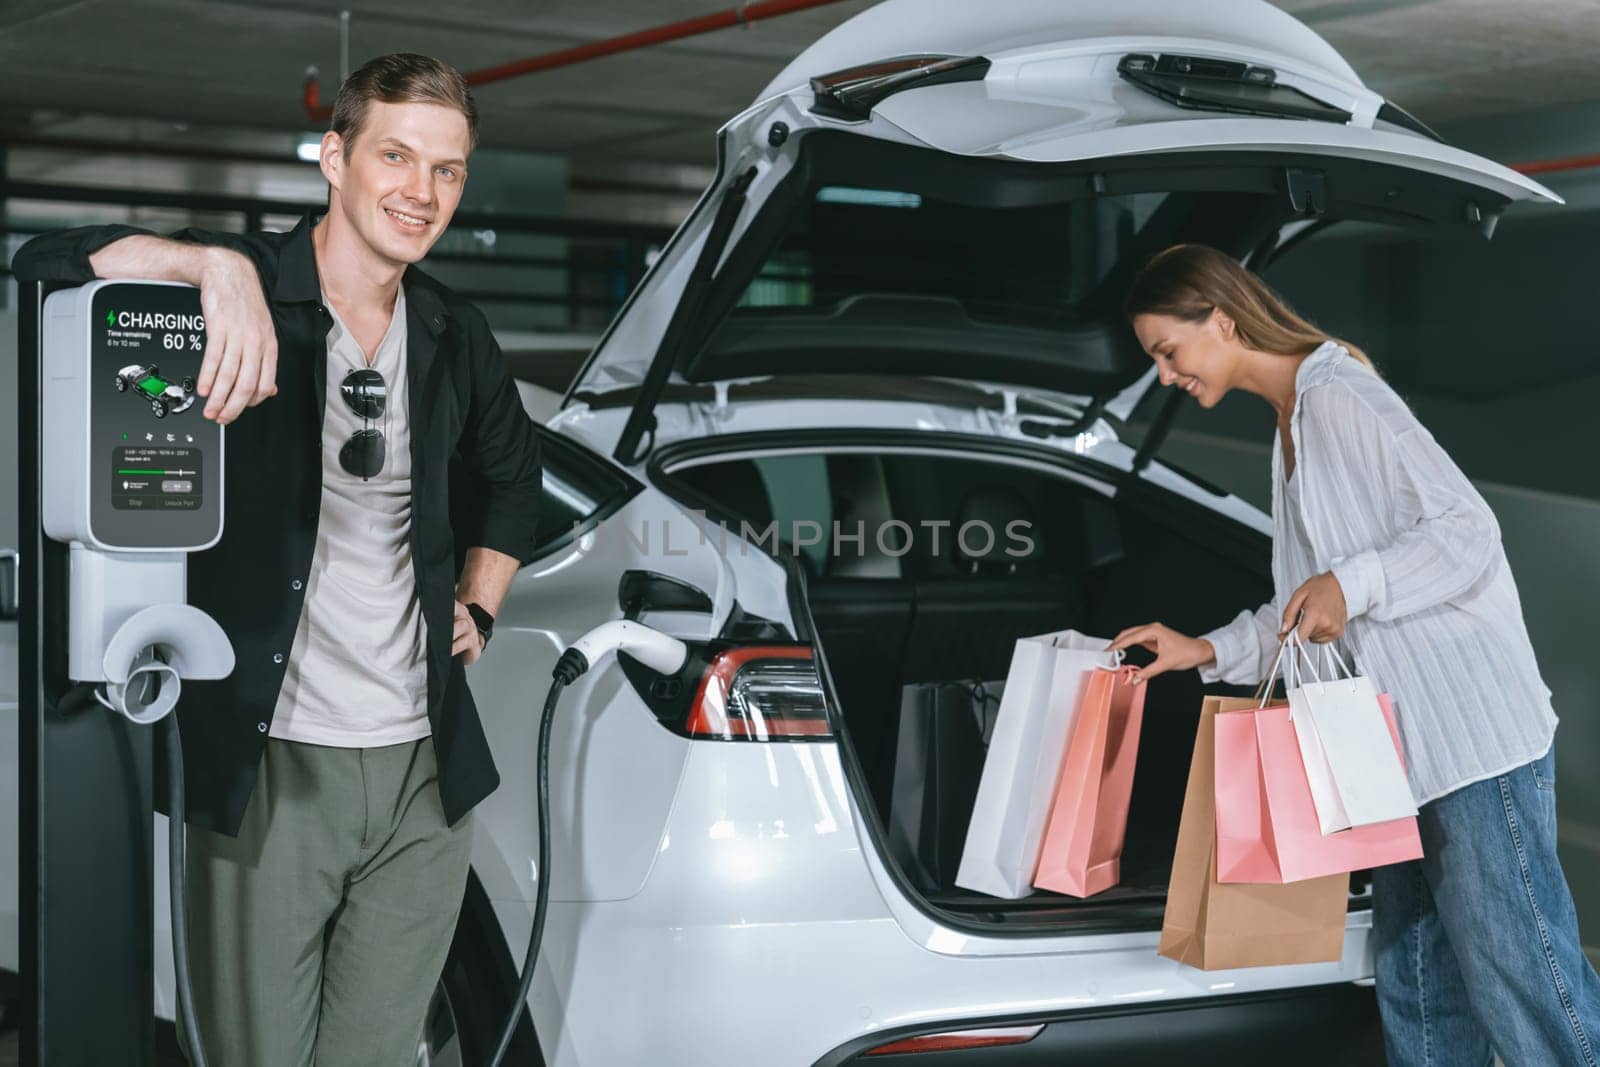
[330, 777]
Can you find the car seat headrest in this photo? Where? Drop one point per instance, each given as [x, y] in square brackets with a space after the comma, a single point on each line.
[992, 542]
[1102, 533]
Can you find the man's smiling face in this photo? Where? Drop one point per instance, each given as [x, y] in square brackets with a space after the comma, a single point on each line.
[397, 183]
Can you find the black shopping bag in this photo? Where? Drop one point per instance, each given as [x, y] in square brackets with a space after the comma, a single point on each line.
[944, 733]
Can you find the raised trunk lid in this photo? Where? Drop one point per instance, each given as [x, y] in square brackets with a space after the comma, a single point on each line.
[985, 228]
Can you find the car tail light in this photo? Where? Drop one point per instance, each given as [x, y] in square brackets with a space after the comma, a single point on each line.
[760, 693]
[989, 1037]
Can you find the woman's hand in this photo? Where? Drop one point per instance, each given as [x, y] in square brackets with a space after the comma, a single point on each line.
[1326, 613]
[1174, 651]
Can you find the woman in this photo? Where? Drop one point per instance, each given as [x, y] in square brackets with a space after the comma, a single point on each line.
[1381, 540]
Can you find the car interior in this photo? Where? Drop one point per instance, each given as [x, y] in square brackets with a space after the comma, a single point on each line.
[911, 608]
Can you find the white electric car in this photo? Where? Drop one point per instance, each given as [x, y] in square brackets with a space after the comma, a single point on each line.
[895, 312]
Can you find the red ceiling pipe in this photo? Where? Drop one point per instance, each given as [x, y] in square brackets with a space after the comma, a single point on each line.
[744, 14]
[1554, 166]
[313, 98]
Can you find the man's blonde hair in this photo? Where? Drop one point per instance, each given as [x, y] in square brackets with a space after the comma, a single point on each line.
[401, 78]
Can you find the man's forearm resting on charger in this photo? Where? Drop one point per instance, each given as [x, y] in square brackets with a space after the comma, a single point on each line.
[158, 259]
[240, 366]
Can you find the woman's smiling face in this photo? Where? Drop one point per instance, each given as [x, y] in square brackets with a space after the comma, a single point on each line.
[1197, 357]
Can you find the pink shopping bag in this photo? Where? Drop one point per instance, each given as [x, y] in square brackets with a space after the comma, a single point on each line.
[1082, 853]
[1267, 827]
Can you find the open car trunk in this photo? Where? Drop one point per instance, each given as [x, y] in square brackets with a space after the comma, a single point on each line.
[1101, 563]
[970, 216]
[960, 219]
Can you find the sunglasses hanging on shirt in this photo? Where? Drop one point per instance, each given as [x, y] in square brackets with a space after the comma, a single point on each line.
[366, 394]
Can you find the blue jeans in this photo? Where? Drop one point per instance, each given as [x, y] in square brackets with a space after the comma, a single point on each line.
[1477, 942]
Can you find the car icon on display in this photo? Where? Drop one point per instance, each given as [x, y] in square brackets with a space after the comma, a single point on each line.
[165, 398]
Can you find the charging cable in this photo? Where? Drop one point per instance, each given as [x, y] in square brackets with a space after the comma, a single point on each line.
[662, 654]
[144, 666]
[150, 691]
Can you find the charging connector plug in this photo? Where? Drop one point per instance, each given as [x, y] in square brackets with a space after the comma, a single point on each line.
[571, 664]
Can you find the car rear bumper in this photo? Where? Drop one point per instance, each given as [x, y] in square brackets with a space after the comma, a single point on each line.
[762, 883]
[1311, 1026]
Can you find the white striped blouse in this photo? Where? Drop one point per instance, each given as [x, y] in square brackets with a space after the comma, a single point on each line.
[1435, 620]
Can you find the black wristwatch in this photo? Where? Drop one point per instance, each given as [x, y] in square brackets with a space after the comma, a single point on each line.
[483, 621]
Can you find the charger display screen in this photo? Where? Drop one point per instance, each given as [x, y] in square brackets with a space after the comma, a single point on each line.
[156, 460]
[155, 476]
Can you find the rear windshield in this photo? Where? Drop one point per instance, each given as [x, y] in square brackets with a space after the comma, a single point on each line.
[1032, 265]
[867, 257]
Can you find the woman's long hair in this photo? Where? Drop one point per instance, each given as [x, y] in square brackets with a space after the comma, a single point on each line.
[1188, 281]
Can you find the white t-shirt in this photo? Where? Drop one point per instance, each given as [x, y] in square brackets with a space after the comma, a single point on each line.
[357, 674]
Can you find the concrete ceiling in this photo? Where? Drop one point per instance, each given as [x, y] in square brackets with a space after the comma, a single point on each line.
[240, 63]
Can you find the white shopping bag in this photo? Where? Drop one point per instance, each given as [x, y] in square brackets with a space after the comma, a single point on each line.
[1019, 773]
[1350, 757]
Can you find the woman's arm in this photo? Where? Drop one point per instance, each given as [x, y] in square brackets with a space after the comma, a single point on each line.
[1244, 647]
[1229, 653]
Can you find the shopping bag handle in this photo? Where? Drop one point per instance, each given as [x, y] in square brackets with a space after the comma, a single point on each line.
[1329, 650]
[1311, 667]
[1264, 692]
[1117, 656]
[1330, 659]
[1265, 688]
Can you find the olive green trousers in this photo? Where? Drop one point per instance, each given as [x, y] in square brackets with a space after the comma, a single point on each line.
[317, 936]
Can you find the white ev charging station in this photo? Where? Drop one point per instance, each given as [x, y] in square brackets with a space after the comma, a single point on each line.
[135, 485]
[121, 479]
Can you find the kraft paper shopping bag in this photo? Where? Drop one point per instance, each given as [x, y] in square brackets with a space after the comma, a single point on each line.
[1082, 852]
[1214, 926]
[1042, 690]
